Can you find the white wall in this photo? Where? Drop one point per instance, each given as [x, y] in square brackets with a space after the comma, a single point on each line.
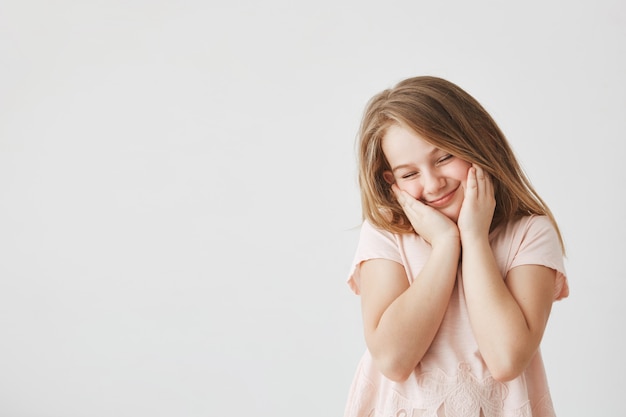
[178, 194]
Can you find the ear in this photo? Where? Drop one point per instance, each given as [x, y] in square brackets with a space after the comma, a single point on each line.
[388, 176]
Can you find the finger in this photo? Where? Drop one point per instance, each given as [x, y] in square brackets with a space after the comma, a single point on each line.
[480, 180]
[406, 200]
[480, 173]
[483, 181]
[399, 194]
[471, 183]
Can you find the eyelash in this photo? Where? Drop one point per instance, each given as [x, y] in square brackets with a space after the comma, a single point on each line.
[445, 158]
[439, 161]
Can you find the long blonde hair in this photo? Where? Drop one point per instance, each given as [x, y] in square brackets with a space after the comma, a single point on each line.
[452, 120]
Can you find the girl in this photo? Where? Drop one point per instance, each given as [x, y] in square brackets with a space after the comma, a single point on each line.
[458, 263]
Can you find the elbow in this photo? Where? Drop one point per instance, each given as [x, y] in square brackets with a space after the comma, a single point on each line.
[505, 374]
[506, 370]
[507, 364]
[397, 375]
[394, 369]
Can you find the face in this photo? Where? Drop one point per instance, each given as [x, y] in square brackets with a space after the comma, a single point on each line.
[430, 175]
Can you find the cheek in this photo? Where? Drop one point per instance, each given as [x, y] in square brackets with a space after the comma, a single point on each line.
[414, 188]
[461, 170]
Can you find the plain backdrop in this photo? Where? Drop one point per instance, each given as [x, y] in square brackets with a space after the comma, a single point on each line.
[178, 196]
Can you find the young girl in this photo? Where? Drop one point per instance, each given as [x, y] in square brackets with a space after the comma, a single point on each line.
[458, 263]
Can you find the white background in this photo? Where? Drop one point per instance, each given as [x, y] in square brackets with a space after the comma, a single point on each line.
[178, 195]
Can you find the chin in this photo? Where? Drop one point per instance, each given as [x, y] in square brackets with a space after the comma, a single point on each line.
[452, 215]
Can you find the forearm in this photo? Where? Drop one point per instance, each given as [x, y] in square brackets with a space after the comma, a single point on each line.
[410, 323]
[498, 322]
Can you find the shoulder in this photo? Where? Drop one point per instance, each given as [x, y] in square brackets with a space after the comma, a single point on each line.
[533, 220]
[525, 230]
[373, 237]
[369, 231]
[373, 240]
[377, 243]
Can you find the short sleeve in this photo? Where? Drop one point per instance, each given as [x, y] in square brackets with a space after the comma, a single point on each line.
[373, 244]
[540, 245]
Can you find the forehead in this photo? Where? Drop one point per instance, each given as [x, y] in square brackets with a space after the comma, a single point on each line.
[401, 142]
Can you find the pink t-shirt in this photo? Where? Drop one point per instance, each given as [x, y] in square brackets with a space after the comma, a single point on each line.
[452, 379]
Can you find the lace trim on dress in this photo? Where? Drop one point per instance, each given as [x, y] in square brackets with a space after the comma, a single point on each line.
[461, 395]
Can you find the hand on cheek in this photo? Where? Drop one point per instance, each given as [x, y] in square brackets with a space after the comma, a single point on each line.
[478, 204]
[427, 222]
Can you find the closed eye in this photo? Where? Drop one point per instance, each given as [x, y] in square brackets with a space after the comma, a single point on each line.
[445, 158]
[409, 175]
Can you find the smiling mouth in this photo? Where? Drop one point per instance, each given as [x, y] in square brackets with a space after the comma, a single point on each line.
[442, 201]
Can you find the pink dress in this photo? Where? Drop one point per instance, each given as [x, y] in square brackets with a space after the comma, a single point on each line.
[452, 379]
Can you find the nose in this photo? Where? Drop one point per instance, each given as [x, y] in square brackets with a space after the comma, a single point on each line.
[433, 182]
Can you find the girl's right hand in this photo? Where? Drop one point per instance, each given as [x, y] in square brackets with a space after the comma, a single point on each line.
[427, 222]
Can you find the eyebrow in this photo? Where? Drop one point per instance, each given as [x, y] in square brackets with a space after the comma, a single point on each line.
[401, 167]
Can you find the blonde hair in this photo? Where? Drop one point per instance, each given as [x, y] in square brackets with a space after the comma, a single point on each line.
[452, 120]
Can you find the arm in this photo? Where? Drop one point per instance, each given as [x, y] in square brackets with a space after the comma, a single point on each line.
[508, 317]
[401, 320]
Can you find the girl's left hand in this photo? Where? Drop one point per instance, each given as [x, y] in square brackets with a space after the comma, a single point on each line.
[478, 205]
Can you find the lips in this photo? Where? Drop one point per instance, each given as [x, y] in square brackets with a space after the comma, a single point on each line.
[442, 201]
